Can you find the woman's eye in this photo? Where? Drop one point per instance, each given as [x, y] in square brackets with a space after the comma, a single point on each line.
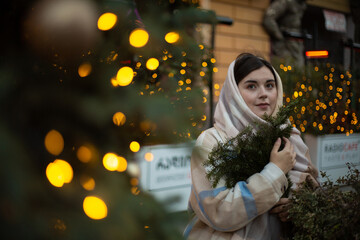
[251, 86]
[270, 85]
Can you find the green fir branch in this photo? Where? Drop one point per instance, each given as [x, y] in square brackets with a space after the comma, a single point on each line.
[247, 153]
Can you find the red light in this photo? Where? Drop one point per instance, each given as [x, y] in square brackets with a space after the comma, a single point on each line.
[317, 54]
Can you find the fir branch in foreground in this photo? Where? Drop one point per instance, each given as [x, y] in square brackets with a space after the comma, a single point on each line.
[247, 153]
[330, 211]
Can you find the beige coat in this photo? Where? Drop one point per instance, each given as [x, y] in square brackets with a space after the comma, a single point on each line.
[241, 212]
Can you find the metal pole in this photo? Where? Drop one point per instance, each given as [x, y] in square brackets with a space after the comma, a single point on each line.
[224, 21]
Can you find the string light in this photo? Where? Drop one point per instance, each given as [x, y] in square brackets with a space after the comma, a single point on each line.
[84, 154]
[122, 164]
[172, 37]
[59, 172]
[149, 156]
[152, 64]
[119, 118]
[95, 208]
[134, 146]
[138, 38]
[107, 21]
[54, 142]
[111, 161]
[84, 69]
[125, 76]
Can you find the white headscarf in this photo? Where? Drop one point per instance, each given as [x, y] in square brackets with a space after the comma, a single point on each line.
[232, 115]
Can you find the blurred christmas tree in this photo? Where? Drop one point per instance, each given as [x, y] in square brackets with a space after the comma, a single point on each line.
[332, 104]
[83, 85]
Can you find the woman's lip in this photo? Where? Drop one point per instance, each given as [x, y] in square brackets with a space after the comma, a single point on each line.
[263, 106]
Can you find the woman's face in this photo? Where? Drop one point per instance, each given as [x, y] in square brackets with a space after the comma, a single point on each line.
[259, 91]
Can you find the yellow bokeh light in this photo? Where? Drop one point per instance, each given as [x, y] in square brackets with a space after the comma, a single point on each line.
[125, 76]
[111, 161]
[135, 190]
[134, 181]
[114, 82]
[152, 64]
[106, 21]
[134, 146]
[66, 170]
[84, 154]
[119, 119]
[84, 69]
[216, 86]
[122, 164]
[54, 175]
[138, 38]
[94, 207]
[59, 172]
[296, 94]
[172, 37]
[149, 156]
[204, 64]
[88, 183]
[54, 142]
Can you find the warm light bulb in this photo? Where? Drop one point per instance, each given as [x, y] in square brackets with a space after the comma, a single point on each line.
[55, 175]
[84, 69]
[152, 64]
[149, 156]
[88, 183]
[122, 164]
[134, 146]
[95, 207]
[119, 119]
[125, 76]
[66, 170]
[138, 38]
[111, 161]
[107, 21]
[54, 142]
[84, 154]
[172, 37]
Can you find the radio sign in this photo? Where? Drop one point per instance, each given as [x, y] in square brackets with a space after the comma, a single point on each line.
[331, 153]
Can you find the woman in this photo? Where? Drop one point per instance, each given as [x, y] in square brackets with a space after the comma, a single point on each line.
[253, 209]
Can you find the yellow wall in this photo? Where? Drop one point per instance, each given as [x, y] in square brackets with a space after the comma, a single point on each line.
[245, 35]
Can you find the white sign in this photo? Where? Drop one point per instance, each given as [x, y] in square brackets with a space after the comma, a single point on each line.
[166, 173]
[330, 153]
[335, 21]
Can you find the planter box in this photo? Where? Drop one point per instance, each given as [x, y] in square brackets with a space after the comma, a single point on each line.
[330, 153]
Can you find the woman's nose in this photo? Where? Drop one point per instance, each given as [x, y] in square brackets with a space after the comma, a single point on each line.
[262, 92]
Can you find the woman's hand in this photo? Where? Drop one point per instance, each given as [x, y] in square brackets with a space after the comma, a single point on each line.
[285, 159]
[281, 209]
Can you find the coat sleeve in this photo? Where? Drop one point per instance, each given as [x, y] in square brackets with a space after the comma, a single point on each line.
[226, 209]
